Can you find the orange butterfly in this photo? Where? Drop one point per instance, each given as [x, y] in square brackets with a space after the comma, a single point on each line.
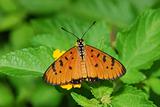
[83, 62]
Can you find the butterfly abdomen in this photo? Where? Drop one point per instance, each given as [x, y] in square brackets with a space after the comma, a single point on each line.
[83, 69]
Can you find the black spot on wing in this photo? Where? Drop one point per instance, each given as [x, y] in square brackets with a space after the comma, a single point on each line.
[112, 61]
[98, 55]
[104, 58]
[96, 65]
[66, 58]
[61, 62]
[53, 67]
[70, 67]
[107, 67]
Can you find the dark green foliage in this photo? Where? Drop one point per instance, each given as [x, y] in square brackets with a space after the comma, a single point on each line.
[30, 31]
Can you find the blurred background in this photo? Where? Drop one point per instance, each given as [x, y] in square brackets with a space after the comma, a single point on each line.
[17, 18]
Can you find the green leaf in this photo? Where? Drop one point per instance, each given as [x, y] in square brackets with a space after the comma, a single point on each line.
[23, 92]
[5, 49]
[154, 84]
[83, 101]
[140, 6]
[130, 96]
[55, 36]
[41, 7]
[20, 37]
[51, 41]
[51, 97]
[9, 6]
[102, 94]
[133, 76]
[10, 20]
[26, 62]
[156, 73]
[32, 89]
[6, 96]
[139, 46]
[101, 91]
[107, 10]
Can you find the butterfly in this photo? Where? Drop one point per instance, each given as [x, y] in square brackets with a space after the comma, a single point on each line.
[83, 62]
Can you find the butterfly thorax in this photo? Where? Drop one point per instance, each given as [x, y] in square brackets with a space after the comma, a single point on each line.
[80, 44]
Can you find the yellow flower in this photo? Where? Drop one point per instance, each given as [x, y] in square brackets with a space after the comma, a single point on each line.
[67, 86]
[70, 86]
[56, 54]
[77, 85]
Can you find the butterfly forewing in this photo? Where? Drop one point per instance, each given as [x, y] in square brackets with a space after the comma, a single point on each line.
[102, 65]
[66, 69]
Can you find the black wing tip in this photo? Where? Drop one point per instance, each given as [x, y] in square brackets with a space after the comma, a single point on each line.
[120, 75]
[123, 70]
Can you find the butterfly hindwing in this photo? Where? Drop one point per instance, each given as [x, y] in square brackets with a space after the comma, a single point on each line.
[102, 65]
[62, 71]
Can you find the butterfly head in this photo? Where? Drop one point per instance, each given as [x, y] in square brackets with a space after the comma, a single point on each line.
[80, 42]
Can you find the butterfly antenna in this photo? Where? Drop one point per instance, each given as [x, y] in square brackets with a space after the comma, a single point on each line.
[88, 29]
[69, 32]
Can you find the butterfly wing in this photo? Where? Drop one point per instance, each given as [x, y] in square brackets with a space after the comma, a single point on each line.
[70, 68]
[65, 69]
[101, 65]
